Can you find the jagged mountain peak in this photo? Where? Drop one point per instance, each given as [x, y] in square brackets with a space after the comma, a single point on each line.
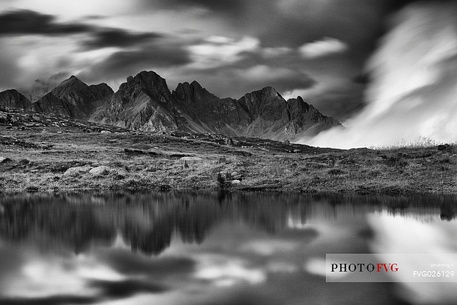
[71, 84]
[144, 102]
[72, 80]
[192, 92]
[270, 90]
[264, 93]
[196, 84]
[146, 81]
[150, 78]
[103, 87]
[265, 103]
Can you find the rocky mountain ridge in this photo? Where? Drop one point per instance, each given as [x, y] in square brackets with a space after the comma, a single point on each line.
[145, 103]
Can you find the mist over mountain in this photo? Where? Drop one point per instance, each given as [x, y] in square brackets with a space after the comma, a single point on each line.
[144, 102]
[42, 86]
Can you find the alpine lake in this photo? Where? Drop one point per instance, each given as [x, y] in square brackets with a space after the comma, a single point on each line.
[214, 248]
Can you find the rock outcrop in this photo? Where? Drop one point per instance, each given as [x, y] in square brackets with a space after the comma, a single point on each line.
[145, 103]
[214, 115]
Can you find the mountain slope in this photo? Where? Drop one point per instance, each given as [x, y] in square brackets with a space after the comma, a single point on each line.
[75, 99]
[261, 114]
[13, 99]
[225, 116]
[145, 103]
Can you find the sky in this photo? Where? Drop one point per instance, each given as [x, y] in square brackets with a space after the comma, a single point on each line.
[313, 48]
[410, 99]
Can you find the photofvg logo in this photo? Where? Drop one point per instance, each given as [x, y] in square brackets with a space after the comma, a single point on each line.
[391, 268]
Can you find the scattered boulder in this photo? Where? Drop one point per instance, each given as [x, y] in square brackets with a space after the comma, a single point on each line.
[105, 131]
[74, 171]
[443, 146]
[236, 182]
[336, 172]
[165, 188]
[236, 176]
[24, 162]
[228, 141]
[32, 189]
[5, 160]
[100, 171]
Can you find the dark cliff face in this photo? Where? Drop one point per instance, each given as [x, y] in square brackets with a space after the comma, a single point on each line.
[52, 104]
[266, 104]
[224, 116]
[144, 102]
[272, 117]
[305, 121]
[75, 99]
[14, 99]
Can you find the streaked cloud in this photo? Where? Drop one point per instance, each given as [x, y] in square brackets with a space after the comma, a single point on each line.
[27, 22]
[118, 38]
[325, 47]
[218, 51]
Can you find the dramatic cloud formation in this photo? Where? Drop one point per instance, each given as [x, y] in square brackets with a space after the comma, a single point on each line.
[123, 63]
[412, 95]
[230, 46]
[117, 38]
[25, 22]
[219, 51]
[321, 48]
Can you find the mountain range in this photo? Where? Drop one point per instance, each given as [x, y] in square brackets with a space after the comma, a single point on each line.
[144, 102]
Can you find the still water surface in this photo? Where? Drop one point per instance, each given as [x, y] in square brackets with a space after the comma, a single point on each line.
[213, 249]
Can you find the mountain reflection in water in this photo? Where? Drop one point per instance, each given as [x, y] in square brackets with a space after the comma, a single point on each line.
[167, 248]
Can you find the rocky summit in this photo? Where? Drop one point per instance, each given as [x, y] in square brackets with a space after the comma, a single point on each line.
[144, 102]
[75, 99]
[42, 86]
[13, 99]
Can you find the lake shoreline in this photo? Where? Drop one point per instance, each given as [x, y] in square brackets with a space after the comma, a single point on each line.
[49, 160]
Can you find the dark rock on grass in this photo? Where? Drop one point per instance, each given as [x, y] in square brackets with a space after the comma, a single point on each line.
[24, 162]
[443, 146]
[165, 188]
[131, 151]
[5, 160]
[31, 189]
[119, 177]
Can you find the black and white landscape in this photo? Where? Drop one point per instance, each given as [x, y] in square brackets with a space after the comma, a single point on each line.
[223, 151]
